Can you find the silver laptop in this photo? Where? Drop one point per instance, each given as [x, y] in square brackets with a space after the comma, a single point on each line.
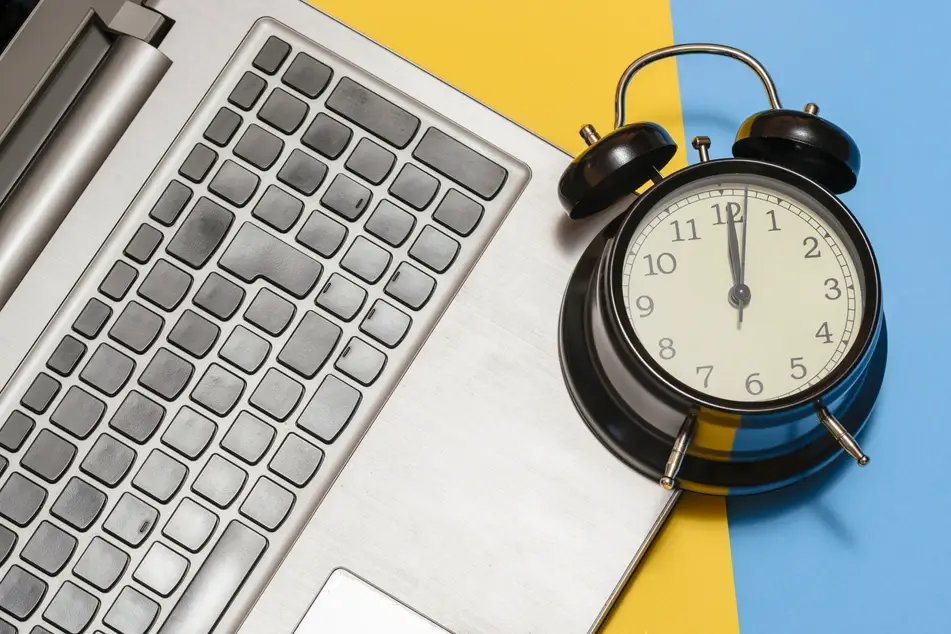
[279, 316]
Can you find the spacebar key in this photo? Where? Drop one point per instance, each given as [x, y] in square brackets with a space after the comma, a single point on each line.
[217, 582]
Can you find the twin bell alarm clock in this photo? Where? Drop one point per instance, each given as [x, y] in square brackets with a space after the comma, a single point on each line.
[724, 334]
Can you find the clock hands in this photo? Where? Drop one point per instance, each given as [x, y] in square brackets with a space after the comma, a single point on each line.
[739, 292]
[742, 291]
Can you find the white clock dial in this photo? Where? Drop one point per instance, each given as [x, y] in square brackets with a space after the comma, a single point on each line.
[805, 294]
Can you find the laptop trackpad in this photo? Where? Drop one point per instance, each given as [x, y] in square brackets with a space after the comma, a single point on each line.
[348, 605]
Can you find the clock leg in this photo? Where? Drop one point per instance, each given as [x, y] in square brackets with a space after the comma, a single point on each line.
[842, 436]
[678, 452]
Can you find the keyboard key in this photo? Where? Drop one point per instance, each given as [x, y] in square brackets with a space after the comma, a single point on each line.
[118, 281]
[220, 482]
[79, 505]
[283, 111]
[360, 361]
[49, 456]
[461, 163]
[189, 433]
[137, 327]
[41, 393]
[341, 297]
[434, 249]
[21, 593]
[271, 55]
[8, 539]
[194, 334]
[72, 609]
[370, 161]
[366, 260]
[247, 91]
[307, 76]
[143, 244]
[202, 232]
[78, 413]
[278, 209]
[296, 460]
[137, 417]
[254, 254]
[160, 476]
[311, 344]
[15, 431]
[245, 350]
[165, 286]
[161, 570]
[108, 461]
[270, 312]
[259, 147]
[302, 172]
[249, 438]
[108, 370]
[167, 374]
[330, 409]
[191, 525]
[49, 548]
[222, 127]
[216, 583]
[391, 224]
[218, 390]
[6, 628]
[132, 613]
[386, 324]
[199, 162]
[414, 187]
[410, 286]
[327, 136]
[67, 356]
[277, 395]
[346, 197]
[219, 296]
[373, 113]
[322, 234]
[234, 183]
[131, 520]
[101, 565]
[21, 499]
[268, 504]
[93, 317]
[171, 203]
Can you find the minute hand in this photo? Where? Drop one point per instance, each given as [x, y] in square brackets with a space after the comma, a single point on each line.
[743, 290]
[734, 244]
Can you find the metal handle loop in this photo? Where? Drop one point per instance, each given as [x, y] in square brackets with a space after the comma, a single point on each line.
[687, 49]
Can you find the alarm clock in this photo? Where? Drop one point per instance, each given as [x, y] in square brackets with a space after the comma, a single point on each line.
[724, 334]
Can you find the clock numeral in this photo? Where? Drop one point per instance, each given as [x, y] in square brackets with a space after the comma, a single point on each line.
[823, 332]
[693, 230]
[733, 208]
[813, 245]
[640, 303]
[772, 216]
[753, 385]
[667, 351]
[798, 369]
[666, 264]
[834, 288]
[709, 370]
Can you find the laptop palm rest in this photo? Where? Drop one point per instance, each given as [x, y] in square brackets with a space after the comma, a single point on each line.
[349, 605]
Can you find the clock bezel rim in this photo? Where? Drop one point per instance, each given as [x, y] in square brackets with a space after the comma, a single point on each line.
[739, 167]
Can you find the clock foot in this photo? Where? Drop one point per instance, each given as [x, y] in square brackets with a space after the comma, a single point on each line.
[842, 436]
[678, 452]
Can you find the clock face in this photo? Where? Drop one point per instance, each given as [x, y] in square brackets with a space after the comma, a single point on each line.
[743, 288]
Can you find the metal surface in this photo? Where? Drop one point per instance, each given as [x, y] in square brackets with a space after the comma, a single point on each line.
[620, 100]
[702, 145]
[677, 453]
[46, 193]
[841, 435]
[478, 498]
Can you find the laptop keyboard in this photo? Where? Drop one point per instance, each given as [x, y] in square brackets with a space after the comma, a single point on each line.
[284, 264]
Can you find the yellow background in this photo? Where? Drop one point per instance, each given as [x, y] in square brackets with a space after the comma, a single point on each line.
[551, 66]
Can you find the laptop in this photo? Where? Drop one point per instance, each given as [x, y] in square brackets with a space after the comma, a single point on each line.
[279, 320]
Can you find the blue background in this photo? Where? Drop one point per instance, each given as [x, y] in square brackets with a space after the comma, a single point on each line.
[856, 549]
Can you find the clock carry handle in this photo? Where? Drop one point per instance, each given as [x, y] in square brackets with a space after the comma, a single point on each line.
[617, 164]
